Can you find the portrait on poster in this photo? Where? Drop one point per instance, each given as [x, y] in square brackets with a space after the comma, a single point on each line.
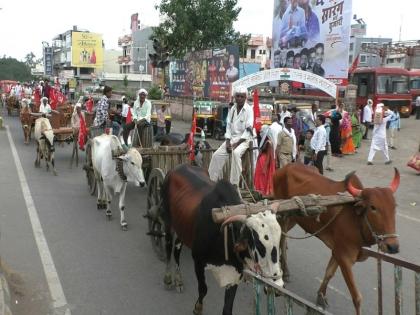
[312, 35]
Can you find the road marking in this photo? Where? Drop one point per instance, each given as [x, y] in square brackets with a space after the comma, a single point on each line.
[408, 217]
[335, 289]
[59, 301]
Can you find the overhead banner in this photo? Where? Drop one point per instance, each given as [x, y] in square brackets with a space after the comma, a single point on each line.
[312, 35]
[86, 50]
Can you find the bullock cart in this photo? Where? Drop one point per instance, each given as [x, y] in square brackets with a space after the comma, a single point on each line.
[13, 104]
[160, 160]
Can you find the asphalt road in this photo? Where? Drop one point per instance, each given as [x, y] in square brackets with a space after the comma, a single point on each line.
[103, 270]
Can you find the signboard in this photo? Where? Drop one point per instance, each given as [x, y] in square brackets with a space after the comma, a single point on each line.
[48, 61]
[134, 22]
[87, 50]
[312, 35]
[285, 74]
[205, 74]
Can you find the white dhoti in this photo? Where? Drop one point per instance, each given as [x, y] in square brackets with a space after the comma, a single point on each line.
[378, 144]
[219, 159]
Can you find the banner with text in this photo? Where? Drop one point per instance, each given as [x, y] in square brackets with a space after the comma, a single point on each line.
[86, 50]
[312, 35]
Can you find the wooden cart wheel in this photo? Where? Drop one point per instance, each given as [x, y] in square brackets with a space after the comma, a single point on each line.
[154, 204]
[90, 176]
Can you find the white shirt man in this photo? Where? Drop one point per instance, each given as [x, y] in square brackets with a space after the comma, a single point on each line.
[44, 108]
[379, 142]
[367, 117]
[285, 113]
[142, 111]
[240, 121]
[319, 143]
[125, 108]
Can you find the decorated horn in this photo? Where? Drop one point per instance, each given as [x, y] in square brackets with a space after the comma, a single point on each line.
[396, 181]
[234, 218]
[355, 192]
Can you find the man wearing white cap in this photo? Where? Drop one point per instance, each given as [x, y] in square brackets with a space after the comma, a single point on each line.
[240, 121]
[142, 113]
[379, 142]
[44, 108]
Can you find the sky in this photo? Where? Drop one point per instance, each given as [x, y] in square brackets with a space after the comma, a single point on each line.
[24, 25]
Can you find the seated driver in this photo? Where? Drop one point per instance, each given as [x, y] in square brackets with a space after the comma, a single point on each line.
[239, 126]
[142, 113]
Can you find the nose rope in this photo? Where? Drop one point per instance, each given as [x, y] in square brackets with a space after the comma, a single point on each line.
[378, 237]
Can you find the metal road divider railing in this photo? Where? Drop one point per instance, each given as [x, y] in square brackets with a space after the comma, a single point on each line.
[399, 264]
[272, 289]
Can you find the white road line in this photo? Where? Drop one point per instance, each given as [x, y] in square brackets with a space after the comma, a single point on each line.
[335, 289]
[59, 301]
[408, 217]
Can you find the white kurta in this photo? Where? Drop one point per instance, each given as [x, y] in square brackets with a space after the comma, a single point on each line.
[379, 142]
[236, 129]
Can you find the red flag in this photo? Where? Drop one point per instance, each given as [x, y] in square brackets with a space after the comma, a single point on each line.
[61, 98]
[257, 115]
[53, 99]
[191, 137]
[82, 133]
[354, 64]
[129, 118]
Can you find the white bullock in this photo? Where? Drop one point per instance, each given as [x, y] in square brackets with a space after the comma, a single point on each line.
[112, 173]
[44, 137]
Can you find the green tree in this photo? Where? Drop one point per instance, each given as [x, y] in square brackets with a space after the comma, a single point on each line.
[30, 60]
[242, 43]
[12, 69]
[196, 24]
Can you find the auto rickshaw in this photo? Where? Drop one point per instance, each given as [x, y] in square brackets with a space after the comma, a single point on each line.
[168, 117]
[205, 116]
[220, 121]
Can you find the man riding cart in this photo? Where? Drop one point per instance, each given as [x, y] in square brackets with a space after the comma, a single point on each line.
[239, 131]
[142, 113]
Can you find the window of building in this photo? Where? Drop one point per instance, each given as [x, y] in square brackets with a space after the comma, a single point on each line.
[350, 58]
[364, 45]
[351, 46]
[362, 58]
[252, 53]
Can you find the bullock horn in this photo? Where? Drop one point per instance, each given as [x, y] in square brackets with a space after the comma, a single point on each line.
[355, 192]
[348, 176]
[395, 181]
[234, 218]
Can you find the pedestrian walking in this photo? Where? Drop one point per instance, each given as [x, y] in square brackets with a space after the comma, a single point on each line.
[319, 143]
[379, 141]
[286, 150]
[347, 146]
[356, 130]
[308, 153]
[335, 138]
[367, 117]
[327, 127]
[394, 127]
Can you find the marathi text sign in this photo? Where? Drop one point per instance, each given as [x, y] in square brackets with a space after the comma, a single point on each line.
[312, 35]
[87, 50]
[285, 74]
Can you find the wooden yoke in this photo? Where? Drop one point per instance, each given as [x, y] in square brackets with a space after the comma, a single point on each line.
[309, 205]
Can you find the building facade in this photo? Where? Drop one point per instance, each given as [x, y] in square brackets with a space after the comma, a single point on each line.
[363, 47]
[258, 51]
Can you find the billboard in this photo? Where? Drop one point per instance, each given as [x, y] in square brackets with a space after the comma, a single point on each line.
[312, 35]
[86, 50]
[206, 74]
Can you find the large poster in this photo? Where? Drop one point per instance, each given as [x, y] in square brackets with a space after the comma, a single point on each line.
[86, 50]
[206, 74]
[312, 35]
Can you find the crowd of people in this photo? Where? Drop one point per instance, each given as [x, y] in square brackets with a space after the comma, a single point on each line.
[304, 136]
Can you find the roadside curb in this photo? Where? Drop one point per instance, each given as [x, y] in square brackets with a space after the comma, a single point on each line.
[4, 296]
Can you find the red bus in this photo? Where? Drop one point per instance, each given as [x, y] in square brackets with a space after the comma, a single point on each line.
[414, 86]
[389, 86]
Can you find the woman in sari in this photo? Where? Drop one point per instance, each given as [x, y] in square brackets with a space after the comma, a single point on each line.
[357, 133]
[347, 146]
[265, 167]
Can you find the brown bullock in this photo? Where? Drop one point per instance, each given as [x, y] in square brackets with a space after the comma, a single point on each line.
[347, 227]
